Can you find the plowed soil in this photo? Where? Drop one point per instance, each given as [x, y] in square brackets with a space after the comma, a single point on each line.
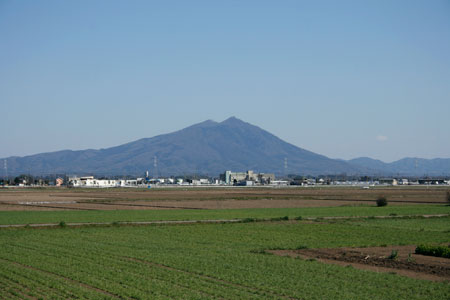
[209, 198]
[377, 259]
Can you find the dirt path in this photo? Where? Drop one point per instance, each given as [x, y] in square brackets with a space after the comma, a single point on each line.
[174, 222]
[168, 222]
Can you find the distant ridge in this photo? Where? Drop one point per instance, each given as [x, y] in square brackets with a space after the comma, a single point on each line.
[210, 148]
[410, 166]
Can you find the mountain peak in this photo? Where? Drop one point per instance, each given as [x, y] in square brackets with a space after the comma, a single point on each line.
[233, 121]
[207, 148]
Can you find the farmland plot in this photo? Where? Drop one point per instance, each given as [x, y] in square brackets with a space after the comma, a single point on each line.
[207, 261]
[12, 199]
[37, 217]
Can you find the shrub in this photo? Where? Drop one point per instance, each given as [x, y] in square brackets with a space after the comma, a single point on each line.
[430, 250]
[62, 224]
[394, 254]
[382, 201]
[299, 218]
[285, 218]
[301, 247]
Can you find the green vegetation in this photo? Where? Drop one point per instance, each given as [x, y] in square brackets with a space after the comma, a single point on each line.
[36, 217]
[393, 255]
[431, 250]
[207, 261]
[441, 224]
[382, 201]
[285, 218]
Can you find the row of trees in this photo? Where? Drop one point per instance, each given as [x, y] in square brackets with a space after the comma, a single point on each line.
[27, 179]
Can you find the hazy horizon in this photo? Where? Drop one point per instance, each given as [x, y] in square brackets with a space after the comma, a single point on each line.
[343, 79]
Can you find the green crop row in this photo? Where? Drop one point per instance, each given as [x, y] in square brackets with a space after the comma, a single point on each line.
[206, 261]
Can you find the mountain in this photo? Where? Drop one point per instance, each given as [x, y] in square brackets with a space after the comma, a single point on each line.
[368, 163]
[205, 148]
[410, 166]
[211, 148]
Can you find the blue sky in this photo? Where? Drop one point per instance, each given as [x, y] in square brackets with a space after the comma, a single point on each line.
[340, 78]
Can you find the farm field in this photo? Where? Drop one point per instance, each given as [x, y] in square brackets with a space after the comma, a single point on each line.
[226, 261]
[259, 257]
[211, 198]
[111, 216]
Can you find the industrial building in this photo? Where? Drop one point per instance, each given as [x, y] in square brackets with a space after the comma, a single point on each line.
[235, 178]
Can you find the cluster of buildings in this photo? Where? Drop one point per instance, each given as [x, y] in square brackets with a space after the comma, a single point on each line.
[248, 178]
[90, 181]
[419, 181]
[371, 182]
[228, 178]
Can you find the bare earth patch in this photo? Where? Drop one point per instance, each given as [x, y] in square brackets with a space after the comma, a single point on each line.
[208, 198]
[377, 259]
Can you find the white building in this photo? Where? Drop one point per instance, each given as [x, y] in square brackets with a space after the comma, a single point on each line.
[90, 181]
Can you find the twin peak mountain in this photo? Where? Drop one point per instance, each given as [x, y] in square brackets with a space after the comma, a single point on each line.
[207, 148]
